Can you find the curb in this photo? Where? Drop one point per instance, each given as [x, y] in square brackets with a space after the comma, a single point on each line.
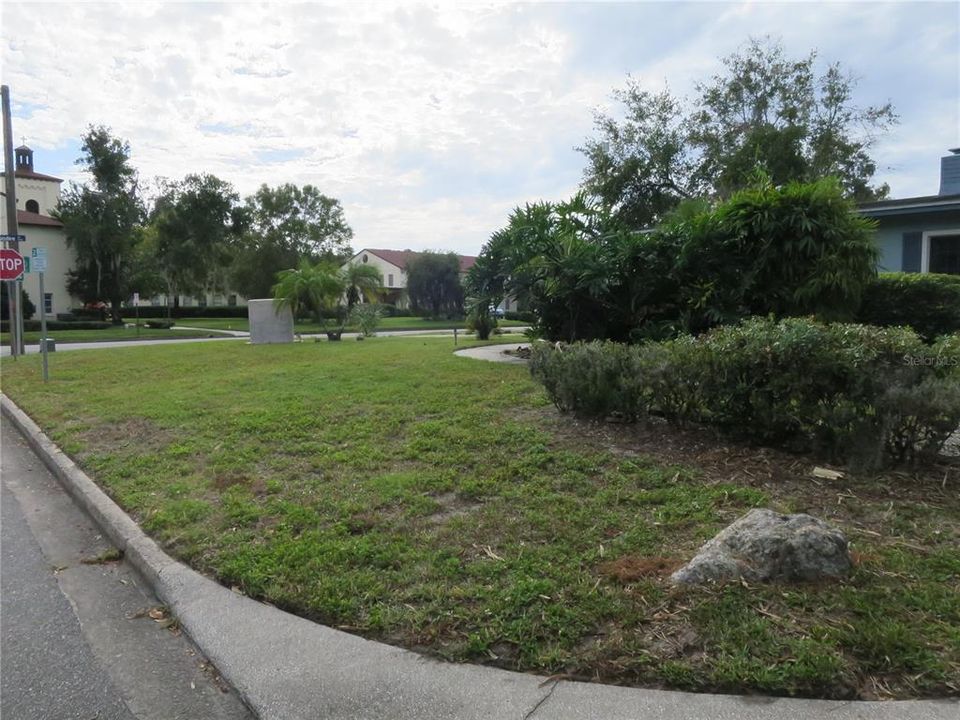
[288, 668]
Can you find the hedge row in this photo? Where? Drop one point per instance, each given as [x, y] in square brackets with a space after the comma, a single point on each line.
[209, 311]
[927, 302]
[34, 325]
[865, 395]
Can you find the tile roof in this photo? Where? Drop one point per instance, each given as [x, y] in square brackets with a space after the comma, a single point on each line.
[29, 218]
[31, 175]
[400, 257]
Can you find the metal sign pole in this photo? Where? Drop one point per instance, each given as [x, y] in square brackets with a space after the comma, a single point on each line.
[43, 330]
[10, 188]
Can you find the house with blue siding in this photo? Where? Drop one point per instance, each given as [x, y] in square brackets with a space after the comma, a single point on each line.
[921, 234]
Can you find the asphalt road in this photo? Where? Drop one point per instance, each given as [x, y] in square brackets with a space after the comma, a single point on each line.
[78, 640]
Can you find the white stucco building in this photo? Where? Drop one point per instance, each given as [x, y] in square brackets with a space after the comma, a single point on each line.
[392, 264]
[38, 196]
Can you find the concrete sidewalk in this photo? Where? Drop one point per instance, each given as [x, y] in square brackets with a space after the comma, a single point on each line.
[287, 668]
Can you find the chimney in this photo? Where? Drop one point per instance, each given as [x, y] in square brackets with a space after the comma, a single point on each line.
[950, 173]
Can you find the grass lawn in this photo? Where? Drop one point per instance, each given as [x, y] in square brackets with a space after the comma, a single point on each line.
[110, 334]
[396, 491]
[390, 323]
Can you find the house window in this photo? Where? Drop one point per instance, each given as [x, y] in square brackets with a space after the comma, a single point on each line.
[390, 280]
[33, 206]
[48, 303]
[945, 254]
[232, 300]
[365, 258]
[941, 252]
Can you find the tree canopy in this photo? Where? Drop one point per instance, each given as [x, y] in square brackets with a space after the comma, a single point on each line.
[99, 219]
[282, 225]
[764, 112]
[433, 284]
[194, 220]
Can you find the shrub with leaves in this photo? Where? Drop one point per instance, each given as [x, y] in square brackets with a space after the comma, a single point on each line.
[927, 302]
[862, 394]
[366, 318]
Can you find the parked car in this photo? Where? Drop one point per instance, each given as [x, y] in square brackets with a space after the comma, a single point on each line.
[496, 311]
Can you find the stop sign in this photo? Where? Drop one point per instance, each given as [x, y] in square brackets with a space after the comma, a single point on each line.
[11, 264]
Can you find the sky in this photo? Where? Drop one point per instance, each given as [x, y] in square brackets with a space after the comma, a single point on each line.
[431, 122]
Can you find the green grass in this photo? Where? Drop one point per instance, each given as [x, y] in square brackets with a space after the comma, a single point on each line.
[399, 492]
[390, 323]
[109, 335]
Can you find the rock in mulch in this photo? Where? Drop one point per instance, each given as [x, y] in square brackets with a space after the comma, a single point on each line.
[764, 546]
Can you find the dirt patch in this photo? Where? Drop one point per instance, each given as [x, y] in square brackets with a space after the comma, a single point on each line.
[630, 568]
[865, 499]
[230, 478]
[451, 506]
[137, 433]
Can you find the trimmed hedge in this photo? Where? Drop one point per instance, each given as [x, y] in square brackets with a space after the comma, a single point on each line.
[927, 302]
[32, 325]
[866, 395]
[210, 311]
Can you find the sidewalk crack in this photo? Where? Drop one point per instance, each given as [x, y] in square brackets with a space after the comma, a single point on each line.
[542, 701]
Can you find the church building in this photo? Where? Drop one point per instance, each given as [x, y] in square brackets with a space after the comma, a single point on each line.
[37, 197]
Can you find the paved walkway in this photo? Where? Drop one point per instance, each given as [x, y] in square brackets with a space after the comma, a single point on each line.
[236, 336]
[288, 668]
[494, 353]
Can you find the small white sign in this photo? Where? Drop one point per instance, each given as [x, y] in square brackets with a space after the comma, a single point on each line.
[38, 260]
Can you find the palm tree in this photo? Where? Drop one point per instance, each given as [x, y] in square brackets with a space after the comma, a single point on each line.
[309, 287]
[361, 281]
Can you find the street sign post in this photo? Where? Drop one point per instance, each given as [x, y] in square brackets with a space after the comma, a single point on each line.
[38, 260]
[38, 264]
[11, 264]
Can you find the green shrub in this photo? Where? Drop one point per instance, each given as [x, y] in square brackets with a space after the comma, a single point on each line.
[28, 307]
[857, 393]
[596, 379]
[927, 302]
[366, 318]
[182, 311]
[33, 325]
[159, 324]
[481, 321]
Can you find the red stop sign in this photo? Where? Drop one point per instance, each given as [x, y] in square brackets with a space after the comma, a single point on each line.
[11, 264]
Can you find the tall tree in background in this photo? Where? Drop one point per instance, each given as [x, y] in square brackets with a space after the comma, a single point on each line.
[99, 221]
[194, 221]
[281, 226]
[433, 284]
[764, 112]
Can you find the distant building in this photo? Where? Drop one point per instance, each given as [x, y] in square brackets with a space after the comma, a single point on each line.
[392, 264]
[921, 234]
[37, 196]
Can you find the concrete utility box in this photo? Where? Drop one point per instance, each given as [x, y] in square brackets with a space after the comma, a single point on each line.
[269, 324]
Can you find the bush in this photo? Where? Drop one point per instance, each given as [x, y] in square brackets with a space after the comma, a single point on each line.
[866, 395]
[520, 316]
[927, 302]
[28, 307]
[209, 311]
[159, 324]
[34, 325]
[481, 321]
[365, 318]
